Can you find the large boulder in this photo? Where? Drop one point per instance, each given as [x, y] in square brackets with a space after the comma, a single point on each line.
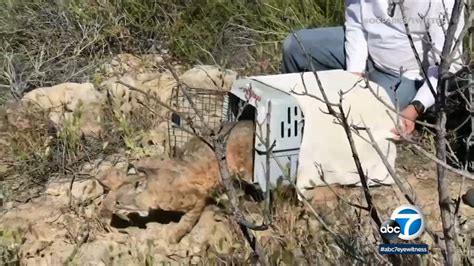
[209, 77]
[158, 85]
[144, 72]
[78, 103]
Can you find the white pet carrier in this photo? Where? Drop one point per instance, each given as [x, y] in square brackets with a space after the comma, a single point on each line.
[324, 142]
[286, 123]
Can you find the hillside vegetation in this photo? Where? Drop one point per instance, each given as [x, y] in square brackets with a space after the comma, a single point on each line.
[44, 42]
[61, 159]
[48, 42]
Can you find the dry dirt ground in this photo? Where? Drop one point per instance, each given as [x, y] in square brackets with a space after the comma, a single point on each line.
[49, 230]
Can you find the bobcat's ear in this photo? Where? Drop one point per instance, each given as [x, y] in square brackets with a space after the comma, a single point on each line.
[143, 166]
[139, 185]
[148, 171]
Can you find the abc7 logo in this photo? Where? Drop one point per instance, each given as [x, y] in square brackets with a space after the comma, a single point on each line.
[407, 223]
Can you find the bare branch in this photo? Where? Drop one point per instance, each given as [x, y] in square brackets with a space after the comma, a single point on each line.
[342, 118]
[347, 248]
[399, 181]
[412, 44]
[188, 97]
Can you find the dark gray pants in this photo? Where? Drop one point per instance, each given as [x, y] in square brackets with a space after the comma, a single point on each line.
[326, 48]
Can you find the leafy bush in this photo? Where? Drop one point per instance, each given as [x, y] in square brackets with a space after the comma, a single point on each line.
[245, 33]
[44, 42]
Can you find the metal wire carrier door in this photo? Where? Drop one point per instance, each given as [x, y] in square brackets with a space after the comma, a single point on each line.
[209, 103]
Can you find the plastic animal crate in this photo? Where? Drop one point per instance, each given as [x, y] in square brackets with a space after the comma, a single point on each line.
[286, 124]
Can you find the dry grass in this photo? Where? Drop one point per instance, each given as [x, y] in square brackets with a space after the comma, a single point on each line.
[239, 34]
[35, 151]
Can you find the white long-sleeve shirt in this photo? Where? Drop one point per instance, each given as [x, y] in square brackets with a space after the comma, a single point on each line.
[370, 31]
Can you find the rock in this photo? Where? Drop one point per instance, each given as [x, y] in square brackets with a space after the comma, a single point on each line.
[100, 166]
[44, 231]
[81, 191]
[23, 215]
[209, 77]
[76, 103]
[18, 116]
[45, 253]
[157, 84]
[107, 252]
[64, 97]
[143, 72]
[87, 190]
[90, 120]
[212, 230]
[8, 205]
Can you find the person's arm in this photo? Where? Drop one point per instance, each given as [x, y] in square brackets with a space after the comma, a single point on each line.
[356, 42]
[424, 96]
[437, 33]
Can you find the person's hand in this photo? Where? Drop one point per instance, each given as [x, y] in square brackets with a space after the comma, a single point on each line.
[408, 117]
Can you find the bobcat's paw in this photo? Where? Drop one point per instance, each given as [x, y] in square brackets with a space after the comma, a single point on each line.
[175, 233]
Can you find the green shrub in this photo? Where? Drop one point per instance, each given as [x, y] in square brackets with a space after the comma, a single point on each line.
[245, 34]
[44, 42]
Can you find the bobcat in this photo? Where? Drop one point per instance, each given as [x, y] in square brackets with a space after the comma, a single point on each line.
[185, 184]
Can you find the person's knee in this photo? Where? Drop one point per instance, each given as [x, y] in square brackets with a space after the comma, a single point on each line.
[293, 48]
[309, 40]
[289, 45]
[318, 43]
[291, 55]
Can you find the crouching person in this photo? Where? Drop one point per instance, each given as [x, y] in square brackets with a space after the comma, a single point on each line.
[374, 43]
